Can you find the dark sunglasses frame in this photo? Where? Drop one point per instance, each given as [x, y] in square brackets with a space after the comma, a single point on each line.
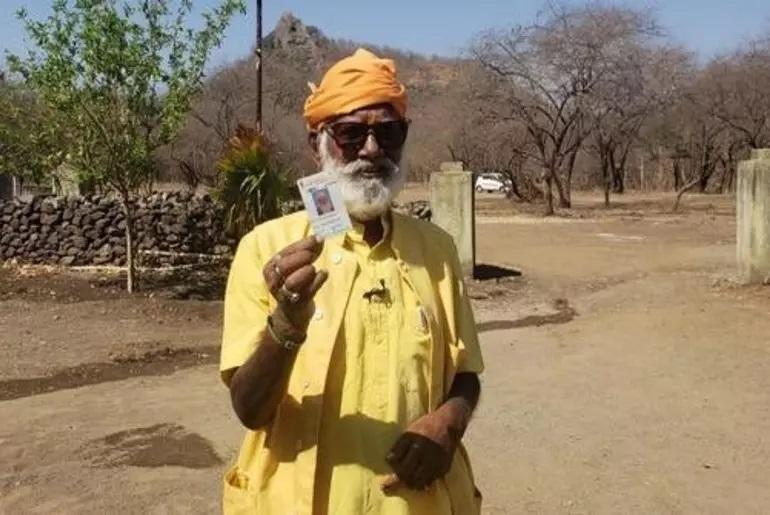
[389, 135]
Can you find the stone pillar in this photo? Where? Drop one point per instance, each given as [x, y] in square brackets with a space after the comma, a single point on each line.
[753, 213]
[452, 209]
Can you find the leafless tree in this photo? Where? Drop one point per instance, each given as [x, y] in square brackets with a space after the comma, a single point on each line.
[728, 107]
[483, 142]
[738, 93]
[552, 70]
[650, 79]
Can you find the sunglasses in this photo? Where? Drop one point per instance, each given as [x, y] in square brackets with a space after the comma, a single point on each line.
[352, 136]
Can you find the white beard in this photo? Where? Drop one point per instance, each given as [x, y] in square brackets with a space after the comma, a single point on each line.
[366, 198]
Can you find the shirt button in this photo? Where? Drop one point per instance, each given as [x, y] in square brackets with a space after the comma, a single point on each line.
[306, 385]
[318, 315]
[337, 258]
[298, 445]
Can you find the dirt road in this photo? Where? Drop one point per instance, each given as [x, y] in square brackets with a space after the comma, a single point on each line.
[626, 373]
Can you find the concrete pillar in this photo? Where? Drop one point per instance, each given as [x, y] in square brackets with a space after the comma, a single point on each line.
[753, 213]
[452, 209]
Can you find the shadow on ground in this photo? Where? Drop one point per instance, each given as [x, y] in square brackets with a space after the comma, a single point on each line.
[154, 446]
[486, 272]
[564, 314]
[155, 363]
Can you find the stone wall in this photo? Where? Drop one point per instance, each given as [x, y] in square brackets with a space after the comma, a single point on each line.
[171, 228]
[90, 230]
[417, 208]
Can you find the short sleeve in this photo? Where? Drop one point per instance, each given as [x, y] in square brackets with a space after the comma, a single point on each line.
[246, 307]
[467, 357]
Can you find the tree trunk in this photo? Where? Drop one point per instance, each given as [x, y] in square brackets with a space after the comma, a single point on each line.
[606, 181]
[730, 170]
[703, 181]
[564, 200]
[549, 195]
[619, 174]
[565, 189]
[128, 211]
[515, 190]
[618, 182]
[687, 187]
[677, 175]
[706, 169]
[730, 173]
[660, 165]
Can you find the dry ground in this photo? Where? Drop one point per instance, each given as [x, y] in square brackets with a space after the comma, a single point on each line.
[626, 373]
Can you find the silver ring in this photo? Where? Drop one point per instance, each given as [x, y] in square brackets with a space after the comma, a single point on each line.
[291, 296]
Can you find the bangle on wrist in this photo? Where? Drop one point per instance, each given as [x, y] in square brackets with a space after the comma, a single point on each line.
[287, 342]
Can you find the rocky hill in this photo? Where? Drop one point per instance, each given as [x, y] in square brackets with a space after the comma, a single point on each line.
[294, 55]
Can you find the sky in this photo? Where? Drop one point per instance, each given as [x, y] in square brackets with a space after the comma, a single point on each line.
[444, 27]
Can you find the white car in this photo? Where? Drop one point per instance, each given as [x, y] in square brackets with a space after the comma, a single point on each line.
[490, 184]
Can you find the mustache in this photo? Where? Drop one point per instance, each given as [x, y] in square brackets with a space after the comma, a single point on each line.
[359, 167]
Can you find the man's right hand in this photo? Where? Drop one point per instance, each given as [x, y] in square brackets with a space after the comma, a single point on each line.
[258, 386]
[293, 281]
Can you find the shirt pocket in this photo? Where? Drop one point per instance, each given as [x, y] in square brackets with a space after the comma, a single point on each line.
[416, 344]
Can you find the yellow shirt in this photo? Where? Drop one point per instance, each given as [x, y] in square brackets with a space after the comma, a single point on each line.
[366, 371]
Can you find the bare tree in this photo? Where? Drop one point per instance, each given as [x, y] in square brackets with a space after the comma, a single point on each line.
[552, 69]
[727, 113]
[738, 93]
[650, 79]
[482, 142]
[226, 102]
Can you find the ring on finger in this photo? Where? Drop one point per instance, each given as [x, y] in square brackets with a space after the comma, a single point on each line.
[277, 269]
[291, 297]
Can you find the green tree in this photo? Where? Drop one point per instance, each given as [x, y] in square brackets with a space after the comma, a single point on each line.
[29, 147]
[119, 78]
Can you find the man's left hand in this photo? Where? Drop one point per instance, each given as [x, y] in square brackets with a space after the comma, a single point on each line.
[425, 451]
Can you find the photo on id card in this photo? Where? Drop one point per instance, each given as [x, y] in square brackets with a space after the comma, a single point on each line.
[325, 208]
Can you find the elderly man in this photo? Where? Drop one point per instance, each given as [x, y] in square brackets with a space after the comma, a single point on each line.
[353, 361]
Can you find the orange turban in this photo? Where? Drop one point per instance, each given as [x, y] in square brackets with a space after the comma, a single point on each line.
[361, 80]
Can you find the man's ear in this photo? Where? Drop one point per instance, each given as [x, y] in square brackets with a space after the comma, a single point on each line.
[313, 140]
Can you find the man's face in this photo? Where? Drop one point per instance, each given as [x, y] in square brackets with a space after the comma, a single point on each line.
[363, 149]
[323, 203]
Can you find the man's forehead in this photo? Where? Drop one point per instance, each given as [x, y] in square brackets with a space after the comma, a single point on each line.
[370, 114]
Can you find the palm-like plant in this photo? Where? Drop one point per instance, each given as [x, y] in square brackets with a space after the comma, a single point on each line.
[252, 186]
